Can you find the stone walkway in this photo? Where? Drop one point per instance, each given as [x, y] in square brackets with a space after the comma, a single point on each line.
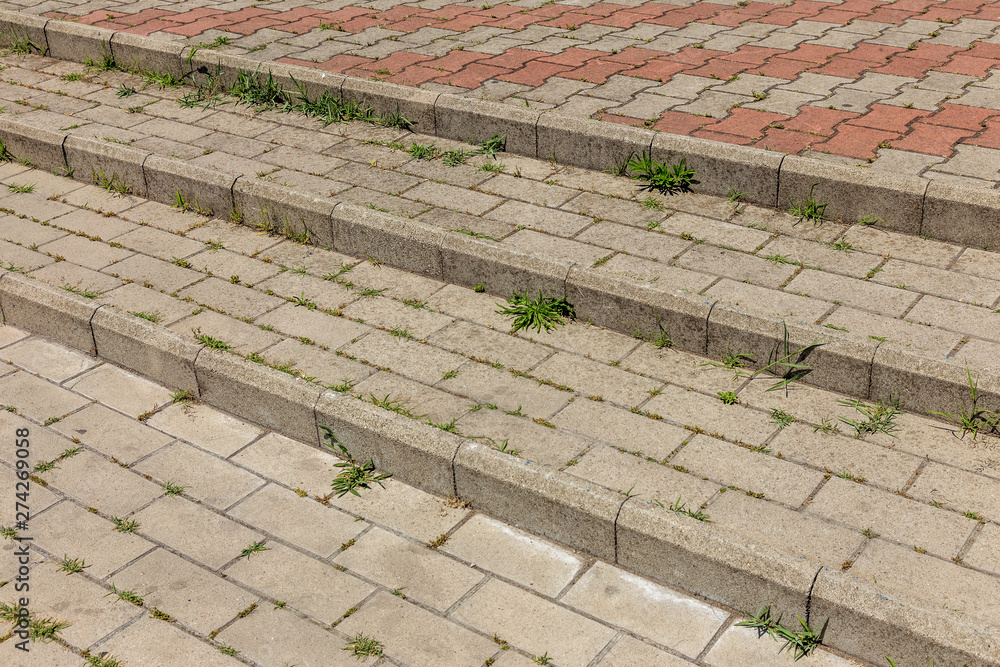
[908, 510]
[908, 85]
[859, 279]
[204, 540]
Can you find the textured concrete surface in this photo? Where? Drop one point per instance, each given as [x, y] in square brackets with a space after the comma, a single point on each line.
[327, 569]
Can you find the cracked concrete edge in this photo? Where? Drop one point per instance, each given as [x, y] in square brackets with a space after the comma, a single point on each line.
[866, 620]
[768, 178]
[858, 366]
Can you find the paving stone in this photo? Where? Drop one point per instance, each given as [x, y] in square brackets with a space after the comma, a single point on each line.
[736, 265]
[92, 224]
[836, 454]
[47, 359]
[299, 520]
[223, 262]
[423, 638]
[232, 299]
[801, 401]
[233, 237]
[392, 314]
[151, 272]
[955, 316]
[465, 304]
[914, 336]
[985, 551]
[276, 636]
[947, 284]
[323, 329]
[621, 428]
[741, 646]
[407, 357]
[423, 402]
[690, 408]
[653, 245]
[732, 465]
[163, 217]
[681, 368]
[325, 294]
[909, 248]
[923, 576]
[537, 194]
[514, 554]
[51, 654]
[36, 398]
[76, 600]
[958, 489]
[559, 249]
[492, 346]
[585, 339]
[205, 477]
[858, 293]
[99, 483]
[120, 389]
[892, 516]
[767, 301]
[595, 379]
[979, 354]
[194, 530]
[244, 338]
[534, 624]
[798, 533]
[978, 262]
[539, 218]
[198, 599]
[317, 589]
[681, 622]
[90, 254]
[421, 573]
[327, 367]
[82, 279]
[404, 509]
[205, 427]
[135, 298]
[534, 442]
[855, 264]
[651, 481]
[628, 651]
[68, 528]
[112, 433]
[149, 640]
[485, 384]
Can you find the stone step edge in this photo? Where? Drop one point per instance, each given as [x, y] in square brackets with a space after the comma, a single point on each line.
[865, 620]
[848, 363]
[909, 204]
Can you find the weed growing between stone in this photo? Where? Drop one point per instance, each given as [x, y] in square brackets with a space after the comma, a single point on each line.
[801, 643]
[660, 176]
[353, 475]
[545, 312]
[973, 419]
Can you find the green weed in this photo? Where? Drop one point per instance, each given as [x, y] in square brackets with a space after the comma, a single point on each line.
[545, 312]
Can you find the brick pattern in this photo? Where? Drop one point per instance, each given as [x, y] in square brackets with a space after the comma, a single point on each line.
[912, 77]
[322, 571]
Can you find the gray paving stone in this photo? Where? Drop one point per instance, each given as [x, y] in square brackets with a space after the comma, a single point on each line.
[33, 397]
[666, 616]
[915, 524]
[195, 531]
[205, 477]
[112, 433]
[120, 389]
[198, 599]
[620, 428]
[317, 589]
[299, 520]
[48, 359]
[534, 624]
[421, 573]
[69, 528]
[149, 640]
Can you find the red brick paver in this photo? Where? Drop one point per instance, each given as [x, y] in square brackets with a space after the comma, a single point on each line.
[915, 74]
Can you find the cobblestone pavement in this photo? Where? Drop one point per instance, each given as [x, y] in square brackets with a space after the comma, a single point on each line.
[187, 536]
[909, 85]
[909, 510]
[860, 280]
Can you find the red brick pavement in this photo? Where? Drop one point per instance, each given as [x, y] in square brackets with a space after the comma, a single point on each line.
[911, 42]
